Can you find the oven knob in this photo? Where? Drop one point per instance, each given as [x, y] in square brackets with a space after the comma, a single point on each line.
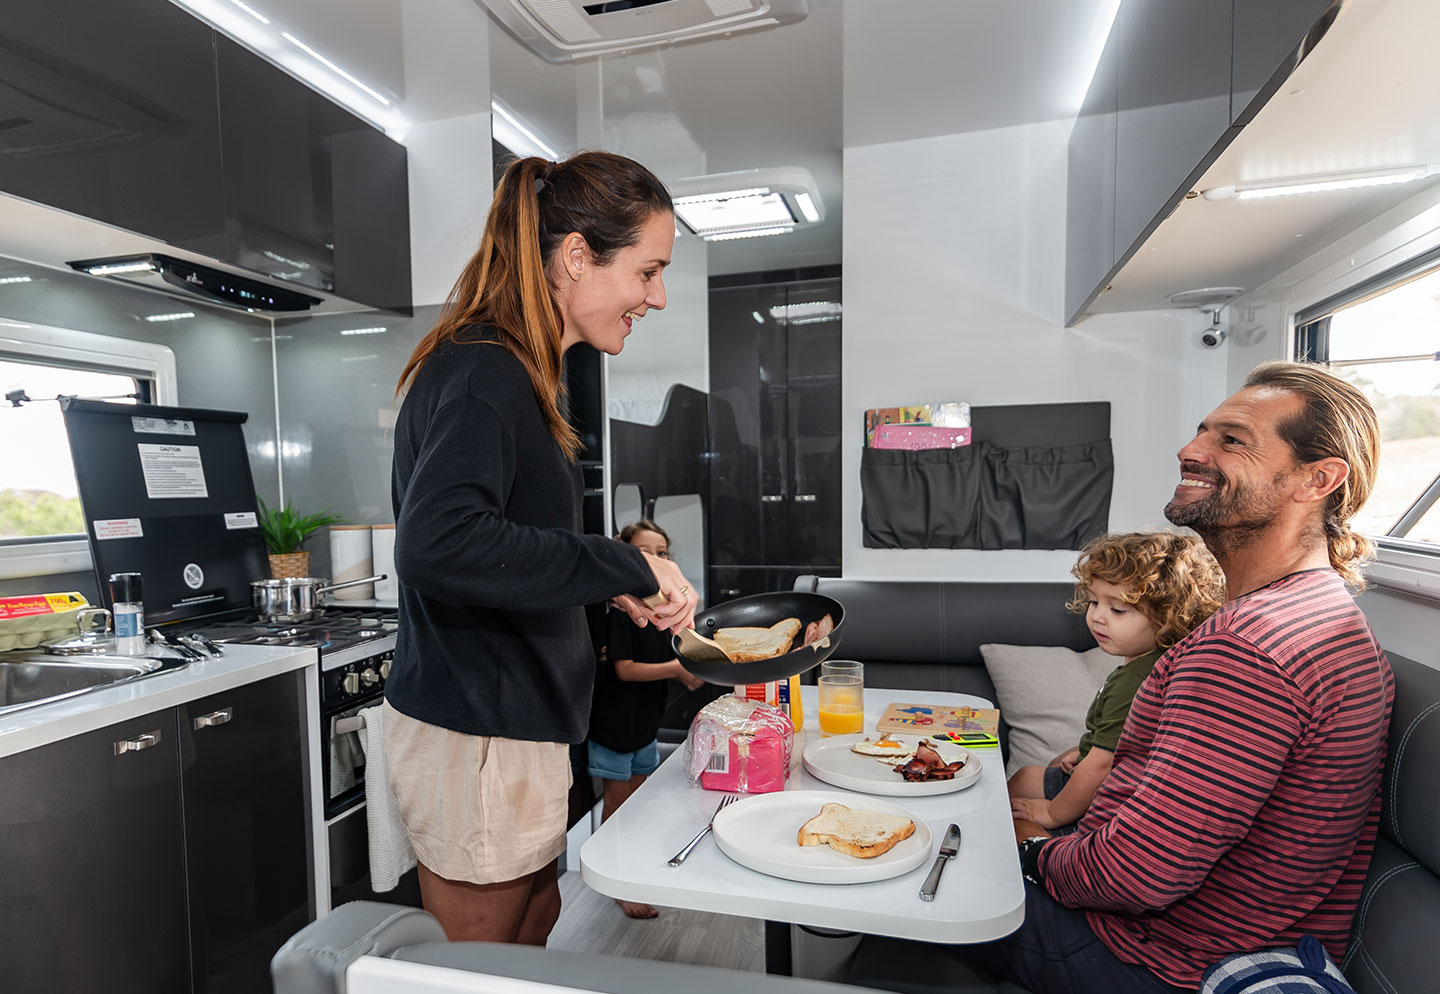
[351, 683]
[369, 677]
[385, 670]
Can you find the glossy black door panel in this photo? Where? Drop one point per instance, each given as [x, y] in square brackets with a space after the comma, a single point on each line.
[92, 885]
[108, 110]
[314, 195]
[246, 838]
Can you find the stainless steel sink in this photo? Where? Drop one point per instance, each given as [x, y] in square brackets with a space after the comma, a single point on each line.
[29, 678]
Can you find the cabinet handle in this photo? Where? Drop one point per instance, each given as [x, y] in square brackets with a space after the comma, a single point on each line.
[729, 591]
[138, 744]
[214, 718]
[771, 498]
[806, 498]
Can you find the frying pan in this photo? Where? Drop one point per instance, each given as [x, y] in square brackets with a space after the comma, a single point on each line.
[762, 611]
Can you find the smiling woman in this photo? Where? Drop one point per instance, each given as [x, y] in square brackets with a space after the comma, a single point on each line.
[491, 680]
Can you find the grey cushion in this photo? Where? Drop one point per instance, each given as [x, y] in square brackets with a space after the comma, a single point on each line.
[1044, 692]
[315, 959]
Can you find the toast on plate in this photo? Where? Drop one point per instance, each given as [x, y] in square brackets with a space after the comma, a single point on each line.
[749, 645]
[863, 834]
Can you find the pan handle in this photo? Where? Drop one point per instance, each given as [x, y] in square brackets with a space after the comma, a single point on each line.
[352, 583]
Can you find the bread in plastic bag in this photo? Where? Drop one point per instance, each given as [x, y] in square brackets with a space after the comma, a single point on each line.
[739, 745]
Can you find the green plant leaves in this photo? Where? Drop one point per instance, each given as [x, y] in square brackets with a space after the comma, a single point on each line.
[284, 530]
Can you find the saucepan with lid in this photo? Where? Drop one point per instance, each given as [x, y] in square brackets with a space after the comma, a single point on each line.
[297, 598]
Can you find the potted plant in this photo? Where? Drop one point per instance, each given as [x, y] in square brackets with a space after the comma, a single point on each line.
[284, 530]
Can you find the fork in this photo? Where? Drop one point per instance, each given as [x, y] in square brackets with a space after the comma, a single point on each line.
[684, 854]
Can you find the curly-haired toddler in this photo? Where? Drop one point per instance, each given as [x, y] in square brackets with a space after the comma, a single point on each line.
[1140, 593]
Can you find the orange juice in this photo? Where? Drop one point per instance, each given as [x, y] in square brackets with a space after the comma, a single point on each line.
[842, 722]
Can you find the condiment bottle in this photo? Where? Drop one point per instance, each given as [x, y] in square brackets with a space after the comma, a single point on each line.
[128, 609]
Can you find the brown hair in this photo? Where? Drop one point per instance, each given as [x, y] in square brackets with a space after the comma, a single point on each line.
[1337, 422]
[1170, 578]
[643, 525]
[606, 198]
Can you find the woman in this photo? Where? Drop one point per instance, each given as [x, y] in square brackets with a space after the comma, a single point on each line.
[493, 667]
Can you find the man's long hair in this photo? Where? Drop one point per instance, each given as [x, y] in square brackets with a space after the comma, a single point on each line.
[1336, 421]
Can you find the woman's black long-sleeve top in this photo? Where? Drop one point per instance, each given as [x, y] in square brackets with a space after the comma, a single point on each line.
[493, 569]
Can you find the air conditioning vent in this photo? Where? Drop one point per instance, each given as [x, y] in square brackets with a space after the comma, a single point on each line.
[563, 31]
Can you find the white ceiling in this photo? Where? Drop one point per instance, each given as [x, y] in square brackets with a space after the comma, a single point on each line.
[1367, 97]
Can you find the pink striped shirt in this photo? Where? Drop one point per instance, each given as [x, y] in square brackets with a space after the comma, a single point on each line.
[1242, 807]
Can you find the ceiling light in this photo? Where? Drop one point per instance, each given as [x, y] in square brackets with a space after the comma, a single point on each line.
[816, 308]
[768, 201]
[759, 318]
[176, 316]
[251, 11]
[363, 331]
[516, 135]
[1319, 184]
[333, 67]
[729, 236]
[14, 279]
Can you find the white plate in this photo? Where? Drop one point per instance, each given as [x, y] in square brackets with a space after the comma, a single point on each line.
[762, 832]
[832, 760]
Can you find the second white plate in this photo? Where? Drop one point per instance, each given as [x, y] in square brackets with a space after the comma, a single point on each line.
[761, 832]
[832, 760]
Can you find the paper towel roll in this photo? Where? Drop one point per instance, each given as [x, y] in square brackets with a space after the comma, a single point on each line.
[350, 560]
[382, 538]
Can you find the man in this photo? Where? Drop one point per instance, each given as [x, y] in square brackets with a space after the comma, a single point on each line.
[1242, 807]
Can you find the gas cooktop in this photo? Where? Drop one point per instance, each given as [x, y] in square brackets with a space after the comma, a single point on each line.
[338, 630]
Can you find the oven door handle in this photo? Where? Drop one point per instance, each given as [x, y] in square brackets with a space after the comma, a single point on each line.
[354, 723]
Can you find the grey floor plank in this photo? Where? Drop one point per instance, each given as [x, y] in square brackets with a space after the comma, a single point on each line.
[592, 922]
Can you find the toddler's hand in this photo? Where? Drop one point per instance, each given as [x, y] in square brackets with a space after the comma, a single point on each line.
[691, 681]
[1069, 761]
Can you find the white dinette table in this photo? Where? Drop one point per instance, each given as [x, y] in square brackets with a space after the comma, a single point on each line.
[981, 895]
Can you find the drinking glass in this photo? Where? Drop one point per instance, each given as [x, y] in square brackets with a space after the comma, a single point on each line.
[842, 704]
[842, 667]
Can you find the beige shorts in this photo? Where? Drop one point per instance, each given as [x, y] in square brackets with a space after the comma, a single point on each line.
[478, 808]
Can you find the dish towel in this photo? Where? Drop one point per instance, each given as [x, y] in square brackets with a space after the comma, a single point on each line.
[346, 757]
[390, 851]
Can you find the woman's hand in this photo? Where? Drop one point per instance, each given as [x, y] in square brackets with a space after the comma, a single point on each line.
[678, 609]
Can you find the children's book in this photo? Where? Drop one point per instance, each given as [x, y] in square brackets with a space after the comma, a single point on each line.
[927, 719]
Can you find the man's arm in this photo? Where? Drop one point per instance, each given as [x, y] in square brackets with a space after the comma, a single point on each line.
[1228, 720]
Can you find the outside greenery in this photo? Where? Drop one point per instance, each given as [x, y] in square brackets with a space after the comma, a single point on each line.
[38, 512]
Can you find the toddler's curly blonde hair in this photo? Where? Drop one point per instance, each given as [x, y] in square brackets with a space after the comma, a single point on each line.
[1170, 578]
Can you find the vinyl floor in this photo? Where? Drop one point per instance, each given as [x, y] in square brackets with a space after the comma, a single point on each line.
[592, 922]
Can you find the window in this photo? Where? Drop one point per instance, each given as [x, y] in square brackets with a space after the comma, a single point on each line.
[41, 528]
[1384, 337]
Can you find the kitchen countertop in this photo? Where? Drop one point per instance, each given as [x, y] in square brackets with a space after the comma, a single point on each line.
[29, 728]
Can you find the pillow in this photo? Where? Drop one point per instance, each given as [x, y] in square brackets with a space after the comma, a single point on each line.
[1043, 693]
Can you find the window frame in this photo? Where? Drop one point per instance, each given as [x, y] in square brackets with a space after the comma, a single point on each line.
[25, 341]
[1400, 563]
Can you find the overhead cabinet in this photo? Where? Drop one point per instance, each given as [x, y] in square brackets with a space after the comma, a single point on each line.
[1174, 85]
[137, 114]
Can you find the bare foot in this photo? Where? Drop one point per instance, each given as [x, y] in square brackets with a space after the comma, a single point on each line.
[634, 910]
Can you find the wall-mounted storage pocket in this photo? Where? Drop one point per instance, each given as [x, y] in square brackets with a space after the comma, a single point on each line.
[1000, 493]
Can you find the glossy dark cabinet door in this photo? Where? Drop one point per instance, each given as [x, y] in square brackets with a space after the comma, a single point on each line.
[775, 432]
[92, 884]
[246, 838]
[1266, 38]
[313, 194]
[108, 110]
[1173, 105]
[1090, 210]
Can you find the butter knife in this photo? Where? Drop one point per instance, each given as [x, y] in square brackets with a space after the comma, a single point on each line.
[948, 847]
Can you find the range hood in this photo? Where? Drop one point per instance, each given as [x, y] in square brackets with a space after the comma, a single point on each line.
[155, 271]
[57, 239]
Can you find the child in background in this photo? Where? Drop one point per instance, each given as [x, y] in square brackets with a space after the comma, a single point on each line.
[1141, 593]
[630, 698]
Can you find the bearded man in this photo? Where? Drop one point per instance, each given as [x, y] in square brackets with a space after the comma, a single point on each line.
[1242, 806]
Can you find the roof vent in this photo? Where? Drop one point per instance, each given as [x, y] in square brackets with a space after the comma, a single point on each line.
[563, 31]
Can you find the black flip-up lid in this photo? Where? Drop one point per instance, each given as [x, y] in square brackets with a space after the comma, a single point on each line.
[167, 492]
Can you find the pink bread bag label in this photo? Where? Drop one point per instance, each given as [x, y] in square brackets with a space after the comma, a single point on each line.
[739, 745]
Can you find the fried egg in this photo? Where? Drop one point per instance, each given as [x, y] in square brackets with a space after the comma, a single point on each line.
[892, 750]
